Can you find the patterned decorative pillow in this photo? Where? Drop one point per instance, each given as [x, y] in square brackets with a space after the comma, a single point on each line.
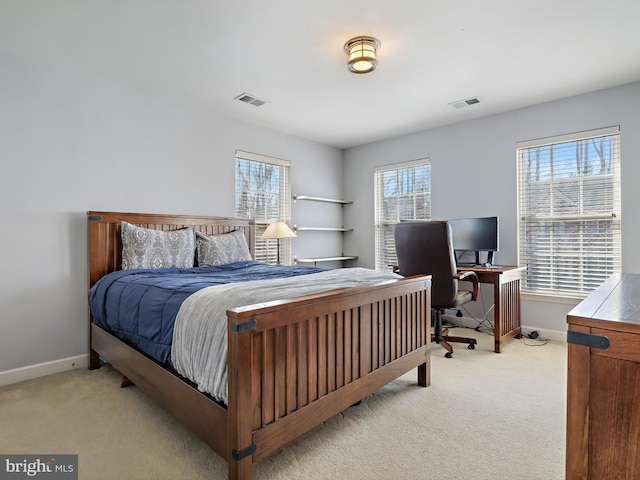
[222, 249]
[146, 248]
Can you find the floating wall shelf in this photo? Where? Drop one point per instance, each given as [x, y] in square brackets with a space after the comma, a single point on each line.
[325, 259]
[315, 260]
[321, 199]
[321, 229]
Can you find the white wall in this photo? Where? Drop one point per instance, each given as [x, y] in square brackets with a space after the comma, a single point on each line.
[473, 167]
[70, 143]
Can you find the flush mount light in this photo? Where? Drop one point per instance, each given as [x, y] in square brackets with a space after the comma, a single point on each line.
[362, 54]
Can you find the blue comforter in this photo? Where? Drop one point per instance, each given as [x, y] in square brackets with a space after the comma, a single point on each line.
[140, 306]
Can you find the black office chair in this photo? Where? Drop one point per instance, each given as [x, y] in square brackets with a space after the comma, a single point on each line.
[426, 248]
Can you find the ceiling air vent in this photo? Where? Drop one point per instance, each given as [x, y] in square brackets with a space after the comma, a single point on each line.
[250, 99]
[465, 103]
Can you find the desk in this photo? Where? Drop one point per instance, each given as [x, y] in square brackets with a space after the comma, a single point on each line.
[603, 382]
[506, 299]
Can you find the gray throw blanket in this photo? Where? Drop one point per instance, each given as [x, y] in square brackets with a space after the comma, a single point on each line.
[199, 349]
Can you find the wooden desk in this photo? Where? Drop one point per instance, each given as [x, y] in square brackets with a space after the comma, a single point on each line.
[603, 382]
[506, 299]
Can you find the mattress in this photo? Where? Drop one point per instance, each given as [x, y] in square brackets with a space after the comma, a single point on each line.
[140, 306]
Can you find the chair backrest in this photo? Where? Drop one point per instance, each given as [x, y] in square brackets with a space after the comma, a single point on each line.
[427, 248]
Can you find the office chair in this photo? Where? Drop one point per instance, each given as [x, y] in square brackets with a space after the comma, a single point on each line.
[426, 248]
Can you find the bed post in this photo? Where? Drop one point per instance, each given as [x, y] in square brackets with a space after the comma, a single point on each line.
[240, 414]
[424, 370]
[97, 266]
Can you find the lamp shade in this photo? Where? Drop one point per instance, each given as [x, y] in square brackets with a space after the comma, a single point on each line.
[362, 52]
[278, 230]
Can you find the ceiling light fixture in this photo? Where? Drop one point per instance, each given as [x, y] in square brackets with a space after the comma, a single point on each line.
[362, 54]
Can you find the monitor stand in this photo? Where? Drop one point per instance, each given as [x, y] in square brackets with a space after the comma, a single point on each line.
[491, 258]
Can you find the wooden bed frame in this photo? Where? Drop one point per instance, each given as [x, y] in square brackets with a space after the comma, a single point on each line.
[292, 364]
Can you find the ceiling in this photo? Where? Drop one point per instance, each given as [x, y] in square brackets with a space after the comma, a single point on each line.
[507, 53]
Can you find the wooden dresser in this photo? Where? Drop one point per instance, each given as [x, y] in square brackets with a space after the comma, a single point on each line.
[603, 383]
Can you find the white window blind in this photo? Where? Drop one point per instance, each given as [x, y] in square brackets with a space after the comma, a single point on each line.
[569, 212]
[402, 192]
[263, 193]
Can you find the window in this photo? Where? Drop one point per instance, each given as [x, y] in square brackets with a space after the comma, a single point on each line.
[569, 212]
[402, 192]
[263, 194]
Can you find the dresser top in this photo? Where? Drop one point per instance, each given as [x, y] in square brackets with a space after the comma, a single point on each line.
[616, 300]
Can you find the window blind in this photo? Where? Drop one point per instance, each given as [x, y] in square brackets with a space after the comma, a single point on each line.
[402, 192]
[263, 193]
[569, 207]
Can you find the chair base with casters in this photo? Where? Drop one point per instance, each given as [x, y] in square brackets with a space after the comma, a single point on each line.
[426, 247]
[440, 335]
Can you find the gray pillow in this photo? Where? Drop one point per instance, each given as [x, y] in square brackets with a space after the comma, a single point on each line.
[146, 248]
[222, 249]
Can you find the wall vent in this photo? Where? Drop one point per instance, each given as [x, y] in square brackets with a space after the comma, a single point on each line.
[465, 103]
[250, 99]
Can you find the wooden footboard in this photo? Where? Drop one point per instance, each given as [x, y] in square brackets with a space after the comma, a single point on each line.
[295, 364]
[292, 364]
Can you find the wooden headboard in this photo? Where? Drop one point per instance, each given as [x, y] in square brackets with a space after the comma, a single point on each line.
[105, 242]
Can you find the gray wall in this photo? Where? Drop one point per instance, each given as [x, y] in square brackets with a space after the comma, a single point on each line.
[474, 174]
[71, 143]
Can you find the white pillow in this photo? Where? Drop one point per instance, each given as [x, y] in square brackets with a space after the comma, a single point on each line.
[222, 249]
[146, 248]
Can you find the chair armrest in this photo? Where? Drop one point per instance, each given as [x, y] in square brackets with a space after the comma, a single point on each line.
[469, 276]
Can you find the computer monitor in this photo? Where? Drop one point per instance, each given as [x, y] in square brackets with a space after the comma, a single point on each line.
[475, 235]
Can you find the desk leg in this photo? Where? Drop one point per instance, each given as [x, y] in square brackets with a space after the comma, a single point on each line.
[497, 318]
[506, 302]
[508, 311]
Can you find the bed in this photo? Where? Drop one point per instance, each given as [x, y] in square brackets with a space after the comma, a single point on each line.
[292, 364]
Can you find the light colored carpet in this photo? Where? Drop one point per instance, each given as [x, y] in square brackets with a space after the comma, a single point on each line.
[485, 416]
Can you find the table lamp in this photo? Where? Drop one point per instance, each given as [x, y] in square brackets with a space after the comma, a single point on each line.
[278, 230]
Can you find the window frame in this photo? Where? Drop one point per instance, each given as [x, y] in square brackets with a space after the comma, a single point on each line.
[577, 211]
[384, 225]
[278, 194]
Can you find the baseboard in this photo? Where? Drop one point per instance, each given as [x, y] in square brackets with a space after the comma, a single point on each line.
[556, 335]
[40, 370]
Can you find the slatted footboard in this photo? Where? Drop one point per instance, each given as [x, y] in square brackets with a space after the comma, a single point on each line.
[292, 364]
[295, 364]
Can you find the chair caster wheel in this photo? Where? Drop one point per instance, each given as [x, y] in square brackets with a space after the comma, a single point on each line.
[471, 346]
[448, 354]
